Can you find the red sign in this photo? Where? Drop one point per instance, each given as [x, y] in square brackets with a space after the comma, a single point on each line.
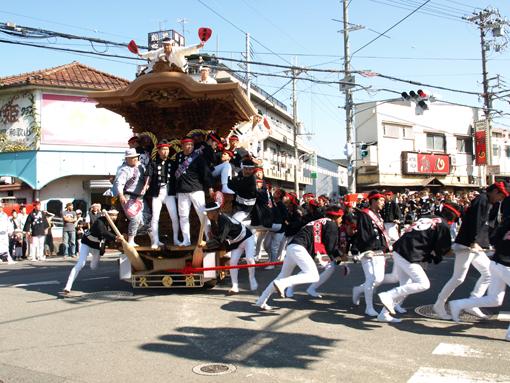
[481, 147]
[421, 163]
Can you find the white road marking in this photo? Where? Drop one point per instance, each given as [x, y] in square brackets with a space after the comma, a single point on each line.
[442, 375]
[453, 349]
[504, 316]
[38, 283]
[95, 278]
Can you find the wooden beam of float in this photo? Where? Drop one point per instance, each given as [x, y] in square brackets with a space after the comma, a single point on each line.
[170, 104]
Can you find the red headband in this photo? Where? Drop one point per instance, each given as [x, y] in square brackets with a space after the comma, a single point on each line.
[338, 213]
[186, 140]
[375, 196]
[501, 188]
[293, 199]
[163, 146]
[229, 152]
[233, 138]
[451, 208]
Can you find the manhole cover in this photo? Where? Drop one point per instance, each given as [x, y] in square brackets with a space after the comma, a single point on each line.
[428, 312]
[213, 369]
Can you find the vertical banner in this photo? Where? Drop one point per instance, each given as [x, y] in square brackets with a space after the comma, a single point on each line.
[481, 143]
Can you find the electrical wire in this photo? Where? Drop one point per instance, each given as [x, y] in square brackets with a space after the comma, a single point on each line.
[390, 28]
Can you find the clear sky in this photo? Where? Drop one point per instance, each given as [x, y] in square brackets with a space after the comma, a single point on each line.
[432, 46]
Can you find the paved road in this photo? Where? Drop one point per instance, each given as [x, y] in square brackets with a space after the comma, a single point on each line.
[105, 334]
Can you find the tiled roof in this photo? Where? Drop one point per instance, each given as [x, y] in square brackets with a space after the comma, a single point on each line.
[74, 75]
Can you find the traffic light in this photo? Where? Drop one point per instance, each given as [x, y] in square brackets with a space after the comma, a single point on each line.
[419, 97]
[363, 150]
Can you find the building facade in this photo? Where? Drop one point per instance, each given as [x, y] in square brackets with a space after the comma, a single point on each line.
[432, 149]
[54, 139]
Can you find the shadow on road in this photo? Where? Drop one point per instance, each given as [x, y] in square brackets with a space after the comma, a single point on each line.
[251, 348]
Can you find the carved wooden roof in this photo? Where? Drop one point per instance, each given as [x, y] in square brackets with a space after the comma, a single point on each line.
[170, 104]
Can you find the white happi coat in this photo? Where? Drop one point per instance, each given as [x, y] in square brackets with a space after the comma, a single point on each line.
[6, 229]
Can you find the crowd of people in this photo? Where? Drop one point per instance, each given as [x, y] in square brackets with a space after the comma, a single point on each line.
[28, 235]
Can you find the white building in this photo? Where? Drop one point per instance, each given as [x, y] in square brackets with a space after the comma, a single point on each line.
[54, 139]
[414, 151]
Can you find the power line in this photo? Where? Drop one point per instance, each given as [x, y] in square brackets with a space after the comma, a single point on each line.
[390, 28]
[435, 14]
[254, 63]
[58, 23]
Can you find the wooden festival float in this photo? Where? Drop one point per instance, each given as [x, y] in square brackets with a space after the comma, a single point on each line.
[168, 104]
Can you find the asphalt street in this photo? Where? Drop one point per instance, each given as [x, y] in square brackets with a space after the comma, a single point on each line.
[108, 332]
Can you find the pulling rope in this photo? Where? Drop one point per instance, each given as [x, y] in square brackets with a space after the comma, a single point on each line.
[191, 270]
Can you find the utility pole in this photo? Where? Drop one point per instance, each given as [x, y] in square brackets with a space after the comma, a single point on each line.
[489, 19]
[248, 56]
[351, 180]
[182, 22]
[295, 73]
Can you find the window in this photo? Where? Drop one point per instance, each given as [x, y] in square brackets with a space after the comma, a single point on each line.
[507, 151]
[464, 145]
[497, 135]
[407, 132]
[391, 130]
[436, 142]
[495, 150]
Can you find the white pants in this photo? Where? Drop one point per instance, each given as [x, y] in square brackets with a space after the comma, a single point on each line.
[171, 207]
[85, 250]
[184, 202]
[464, 256]
[373, 268]
[272, 243]
[453, 230]
[500, 278]
[296, 256]
[412, 276]
[242, 216]
[37, 248]
[224, 170]
[247, 247]
[392, 230]
[282, 250]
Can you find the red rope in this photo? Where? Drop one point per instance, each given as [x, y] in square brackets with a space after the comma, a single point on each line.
[191, 270]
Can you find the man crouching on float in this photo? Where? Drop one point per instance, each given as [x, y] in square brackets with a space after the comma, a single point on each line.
[228, 233]
[319, 237]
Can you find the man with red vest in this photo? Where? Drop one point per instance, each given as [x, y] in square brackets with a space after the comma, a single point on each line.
[317, 238]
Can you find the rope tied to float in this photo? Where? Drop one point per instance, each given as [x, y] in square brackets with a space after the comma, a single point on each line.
[192, 270]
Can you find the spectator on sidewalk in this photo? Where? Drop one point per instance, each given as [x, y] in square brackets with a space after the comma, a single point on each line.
[69, 231]
[35, 229]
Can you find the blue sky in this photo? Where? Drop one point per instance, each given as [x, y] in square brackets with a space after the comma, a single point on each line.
[432, 46]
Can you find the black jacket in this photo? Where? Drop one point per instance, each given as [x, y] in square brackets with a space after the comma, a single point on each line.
[224, 231]
[391, 212]
[475, 222]
[100, 230]
[244, 187]
[428, 239]
[501, 241]
[197, 176]
[160, 173]
[368, 236]
[329, 237]
[36, 223]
